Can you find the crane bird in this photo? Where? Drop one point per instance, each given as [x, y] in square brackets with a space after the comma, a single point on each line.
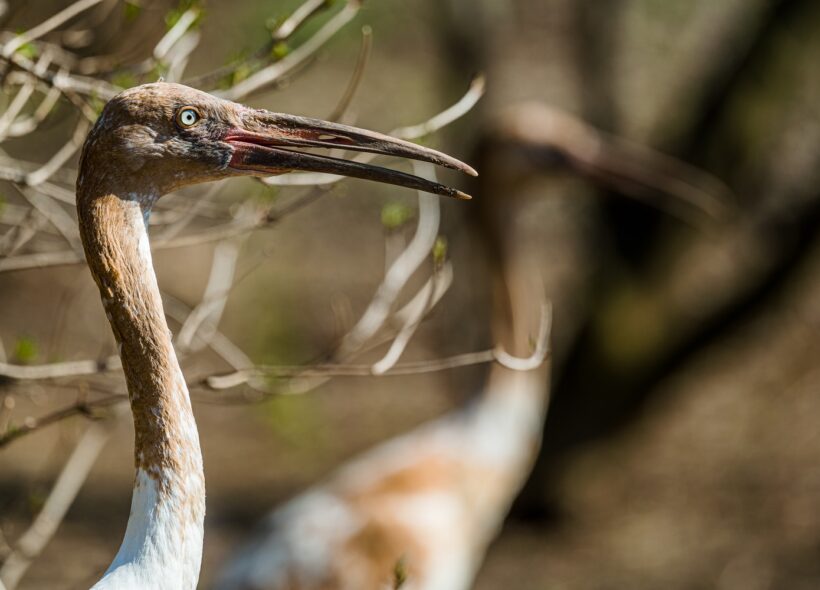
[431, 500]
[419, 511]
[150, 140]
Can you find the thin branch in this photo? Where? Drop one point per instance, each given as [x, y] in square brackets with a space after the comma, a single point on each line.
[47, 26]
[445, 118]
[212, 305]
[402, 269]
[65, 82]
[305, 11]
[267, 76]
[231, 380]
[59, 370]
[79, 408]
[219, 343]
[71, 479]
[420, 305]
[61, 157]
[175, 33]
[356, 79]
[55, 214]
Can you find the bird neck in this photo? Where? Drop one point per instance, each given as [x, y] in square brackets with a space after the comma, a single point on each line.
[162, 547]
[518, 308]
[506, 420]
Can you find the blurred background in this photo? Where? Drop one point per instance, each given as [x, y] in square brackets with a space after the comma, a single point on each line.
[681, 447]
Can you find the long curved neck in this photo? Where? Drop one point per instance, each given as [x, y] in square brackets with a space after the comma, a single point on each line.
[506, 419]
[162, 547]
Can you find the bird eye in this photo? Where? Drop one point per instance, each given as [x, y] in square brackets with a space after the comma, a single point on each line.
[188, 117]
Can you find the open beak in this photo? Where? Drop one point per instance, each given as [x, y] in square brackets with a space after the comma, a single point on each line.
[266, 146]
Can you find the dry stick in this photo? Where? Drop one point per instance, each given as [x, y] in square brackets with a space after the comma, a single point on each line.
[269, 75]
[307, 10]
[175, 33]
[62, 495]
[55, 214]
[422, 303]
[57, 193]
[212, 305]
[59, 370]
[65, 82]
[181, 54]
[237, 378]
[356, 79]
[298, 18]
[26, 125]
[188, 216]
[47, 25]
[401, 270]
[327, 370]
[79, 408]
[19, 101]
[61, 157]
[448, 116]
[14, 240]
[219, 343]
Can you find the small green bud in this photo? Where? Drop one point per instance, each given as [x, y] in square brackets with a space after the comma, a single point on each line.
[396, 214]
[440, 250]
[280, 50]
[25, 350]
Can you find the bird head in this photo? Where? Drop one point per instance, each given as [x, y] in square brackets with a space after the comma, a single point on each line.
[155, 138]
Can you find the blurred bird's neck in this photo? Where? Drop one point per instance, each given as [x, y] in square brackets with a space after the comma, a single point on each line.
[163, 540]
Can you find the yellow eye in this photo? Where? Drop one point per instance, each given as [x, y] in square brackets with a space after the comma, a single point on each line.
[188, 117]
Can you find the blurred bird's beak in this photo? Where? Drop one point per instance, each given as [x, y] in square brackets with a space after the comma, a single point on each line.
[265, 145]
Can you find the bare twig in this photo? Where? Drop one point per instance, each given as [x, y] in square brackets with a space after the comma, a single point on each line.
[59, 370]
[74, 473]
[55, 214]
[267, 76]
[356, 79]
[79, 408]
[61, 157]
[175, 33]
[366, 370]
[448, 116]
[305, 11]
[213, 301]
[402, 269]
[420, 305]
[47, 25]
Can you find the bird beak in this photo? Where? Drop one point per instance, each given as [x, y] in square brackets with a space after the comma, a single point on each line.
[265, 146]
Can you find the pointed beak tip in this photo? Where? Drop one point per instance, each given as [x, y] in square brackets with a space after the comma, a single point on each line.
[463, 196]
[471, 171]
